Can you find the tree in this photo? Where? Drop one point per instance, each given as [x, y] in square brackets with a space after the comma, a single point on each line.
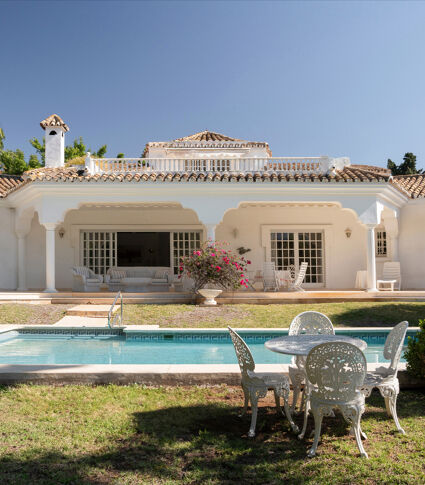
[33, 162]
[408, 166]
[2, 137]
[120, 155]
[13, 162]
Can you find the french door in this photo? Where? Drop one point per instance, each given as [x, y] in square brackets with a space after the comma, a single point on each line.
[293, 248]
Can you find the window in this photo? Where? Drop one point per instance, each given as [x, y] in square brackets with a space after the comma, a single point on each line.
[381, 243]
[98, 250]
[53, 132]
[184, 243]
[293, 248]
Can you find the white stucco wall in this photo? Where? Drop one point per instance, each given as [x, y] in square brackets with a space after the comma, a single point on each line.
[8, 250]
[343, 256]
[412, 244]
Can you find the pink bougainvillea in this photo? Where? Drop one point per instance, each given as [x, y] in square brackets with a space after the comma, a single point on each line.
[212, 265]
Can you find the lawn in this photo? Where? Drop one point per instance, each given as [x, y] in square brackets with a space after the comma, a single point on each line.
[193, 435]
[341, 314]
[22, 314]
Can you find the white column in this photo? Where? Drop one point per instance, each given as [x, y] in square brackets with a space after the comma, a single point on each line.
[50, 257]
[371, 260]
[22, 283]
[211, 231]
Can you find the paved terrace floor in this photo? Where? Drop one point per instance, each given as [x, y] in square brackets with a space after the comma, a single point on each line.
[252, 297]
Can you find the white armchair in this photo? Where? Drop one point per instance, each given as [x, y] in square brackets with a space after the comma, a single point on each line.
[391, 276]
[85, 279]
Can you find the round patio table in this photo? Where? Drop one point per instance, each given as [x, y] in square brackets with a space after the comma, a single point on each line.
[300, 345]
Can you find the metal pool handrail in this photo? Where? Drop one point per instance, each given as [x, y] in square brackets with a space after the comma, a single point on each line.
[115, 320]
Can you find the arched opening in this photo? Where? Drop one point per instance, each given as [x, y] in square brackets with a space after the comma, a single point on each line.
[53, 132]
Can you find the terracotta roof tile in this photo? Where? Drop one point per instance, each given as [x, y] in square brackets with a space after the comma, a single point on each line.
[9, 183]
[373, 168]
[54, 120]
[413, 185]
[207, 136]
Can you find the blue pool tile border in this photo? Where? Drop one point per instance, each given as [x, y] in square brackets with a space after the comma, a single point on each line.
[92, 332]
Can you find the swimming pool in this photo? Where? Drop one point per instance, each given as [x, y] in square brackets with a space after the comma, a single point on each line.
[94, 346]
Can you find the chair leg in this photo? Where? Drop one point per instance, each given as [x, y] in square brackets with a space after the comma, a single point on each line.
[317, 427]
[390, 393]
[357, 433]
[254, 396]
[294, 427]
[306, 412]
[246, 402]
[353, 413]
[277, 402]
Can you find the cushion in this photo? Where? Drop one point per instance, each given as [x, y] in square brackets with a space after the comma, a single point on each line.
[117, 274]
[160, 274]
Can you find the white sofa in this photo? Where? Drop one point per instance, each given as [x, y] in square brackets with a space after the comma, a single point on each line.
[137, 278]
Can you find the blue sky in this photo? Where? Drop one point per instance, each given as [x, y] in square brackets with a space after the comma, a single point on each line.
[310, 78]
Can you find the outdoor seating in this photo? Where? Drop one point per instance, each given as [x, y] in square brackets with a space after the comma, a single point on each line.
[86, 279]
[256, 384]
[391, 276]
[337, 371]
[307, 323]
[385, 378]
[270, 280]
[136, 278]
[296, 285]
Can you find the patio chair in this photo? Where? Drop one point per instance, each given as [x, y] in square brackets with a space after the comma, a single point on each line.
[336, 370]
[296, 285]
[391, 276]
[256, 384]
[306, 323]
[270, 281]
[85, 279]
[385, 378]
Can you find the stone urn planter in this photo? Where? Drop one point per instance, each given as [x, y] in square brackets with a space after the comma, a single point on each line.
[209, 296]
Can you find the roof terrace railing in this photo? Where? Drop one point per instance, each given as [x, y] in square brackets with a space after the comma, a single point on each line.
[288, 165]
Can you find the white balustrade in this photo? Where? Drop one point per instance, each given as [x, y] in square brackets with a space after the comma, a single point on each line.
[282, 165]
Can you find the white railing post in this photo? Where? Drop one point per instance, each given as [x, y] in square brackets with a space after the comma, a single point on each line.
[89, 163]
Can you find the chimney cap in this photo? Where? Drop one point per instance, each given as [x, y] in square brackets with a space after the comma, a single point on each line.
[54, 120]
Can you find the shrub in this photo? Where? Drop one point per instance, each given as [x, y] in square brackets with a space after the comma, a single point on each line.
[213, 265]
[415, 353]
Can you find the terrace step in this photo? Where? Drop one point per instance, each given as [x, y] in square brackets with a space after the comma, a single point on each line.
[91, 311]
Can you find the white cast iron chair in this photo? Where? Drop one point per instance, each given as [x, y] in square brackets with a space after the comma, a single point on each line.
[270, 281]
[385, 378]
[85, 279]
[306, 323]
[336, 370]
[296, 285]
[391, 276]
[256, 384]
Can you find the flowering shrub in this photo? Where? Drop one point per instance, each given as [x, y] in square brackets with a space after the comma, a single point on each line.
[212, 264]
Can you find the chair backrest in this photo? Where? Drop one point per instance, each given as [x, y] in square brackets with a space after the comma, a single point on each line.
[245, 359]
[337, 369]
[269, 274]
[311, 323]
[391, 270]
[301, 274]
[82, 271]
[394, 345]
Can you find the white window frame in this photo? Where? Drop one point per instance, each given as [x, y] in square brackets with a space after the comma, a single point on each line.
[381, 241]
[103, 253]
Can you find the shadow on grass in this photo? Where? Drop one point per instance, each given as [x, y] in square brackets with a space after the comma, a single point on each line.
[381, 315]
[194, 444]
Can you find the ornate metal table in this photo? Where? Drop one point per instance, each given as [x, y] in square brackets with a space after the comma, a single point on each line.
[300, 345]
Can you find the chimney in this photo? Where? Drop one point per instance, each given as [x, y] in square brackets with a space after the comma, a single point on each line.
[55, 129]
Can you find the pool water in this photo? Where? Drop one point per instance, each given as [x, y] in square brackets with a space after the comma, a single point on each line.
[71, 349]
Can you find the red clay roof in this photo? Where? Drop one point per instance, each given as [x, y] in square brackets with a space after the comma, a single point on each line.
[9, 183]
[413, 185]
[54, 120]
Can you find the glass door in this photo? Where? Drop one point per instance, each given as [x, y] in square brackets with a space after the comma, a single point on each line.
[293, 248]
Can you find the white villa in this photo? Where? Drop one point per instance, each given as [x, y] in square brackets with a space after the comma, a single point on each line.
[147, 212]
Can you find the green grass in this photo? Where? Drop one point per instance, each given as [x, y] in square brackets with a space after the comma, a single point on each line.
[137, 435]
[22, 314]
[341, 314]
